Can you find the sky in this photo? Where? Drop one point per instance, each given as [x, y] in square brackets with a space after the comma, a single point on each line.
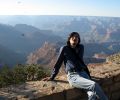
[61, 7]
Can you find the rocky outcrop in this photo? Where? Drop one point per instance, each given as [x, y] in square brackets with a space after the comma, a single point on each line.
[114, 58]
[106, 74]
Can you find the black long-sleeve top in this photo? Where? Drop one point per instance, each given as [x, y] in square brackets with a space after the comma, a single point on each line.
[70, 60]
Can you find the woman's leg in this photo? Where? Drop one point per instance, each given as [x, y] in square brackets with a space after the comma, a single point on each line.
[80, 82]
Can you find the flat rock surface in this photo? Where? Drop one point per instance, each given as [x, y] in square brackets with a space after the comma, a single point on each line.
[35, 89]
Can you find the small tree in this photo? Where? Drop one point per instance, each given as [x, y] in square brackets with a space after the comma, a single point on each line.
[19, 74]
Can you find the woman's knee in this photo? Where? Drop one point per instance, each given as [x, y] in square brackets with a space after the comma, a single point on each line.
[92, 85]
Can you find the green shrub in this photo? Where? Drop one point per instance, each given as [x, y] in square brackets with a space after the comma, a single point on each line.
[35, 72]
[21, 73]
[6, 76]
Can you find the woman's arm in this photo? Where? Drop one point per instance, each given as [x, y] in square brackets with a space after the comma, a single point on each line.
[58, 63]
[81, 51]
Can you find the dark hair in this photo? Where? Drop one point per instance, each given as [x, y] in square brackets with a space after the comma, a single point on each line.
[72, 34]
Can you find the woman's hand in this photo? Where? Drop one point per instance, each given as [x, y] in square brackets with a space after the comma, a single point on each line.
[47, 79]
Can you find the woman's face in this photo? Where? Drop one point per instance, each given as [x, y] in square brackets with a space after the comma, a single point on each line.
[74, 40]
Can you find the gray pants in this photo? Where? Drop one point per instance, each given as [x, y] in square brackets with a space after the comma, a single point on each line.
[82, 80]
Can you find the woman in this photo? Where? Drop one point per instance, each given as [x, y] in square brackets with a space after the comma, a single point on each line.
[77, 72]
